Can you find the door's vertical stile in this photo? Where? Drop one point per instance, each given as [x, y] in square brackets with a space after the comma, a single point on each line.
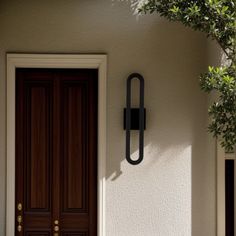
[56, 155]
[19, 153]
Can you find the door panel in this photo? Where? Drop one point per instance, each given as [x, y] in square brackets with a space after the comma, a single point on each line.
[56, 152]
[78, 144]
[33, 152]
[37, 172]
[74, 161]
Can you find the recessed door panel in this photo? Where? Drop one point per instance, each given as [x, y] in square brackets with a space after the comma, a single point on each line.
[74, 132]
[38, 140]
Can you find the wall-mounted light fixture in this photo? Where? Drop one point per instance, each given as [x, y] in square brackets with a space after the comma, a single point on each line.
[135, 118]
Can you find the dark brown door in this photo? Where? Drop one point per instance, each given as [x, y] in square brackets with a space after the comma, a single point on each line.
[56, 152]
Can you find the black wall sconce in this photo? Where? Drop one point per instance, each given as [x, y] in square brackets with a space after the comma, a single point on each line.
[135, 118]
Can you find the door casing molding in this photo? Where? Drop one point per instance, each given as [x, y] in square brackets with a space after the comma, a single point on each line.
[83, 61]
[222, 156]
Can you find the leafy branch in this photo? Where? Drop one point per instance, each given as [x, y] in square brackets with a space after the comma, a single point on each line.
[216, 18]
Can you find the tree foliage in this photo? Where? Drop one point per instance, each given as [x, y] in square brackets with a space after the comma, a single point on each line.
[216, 18]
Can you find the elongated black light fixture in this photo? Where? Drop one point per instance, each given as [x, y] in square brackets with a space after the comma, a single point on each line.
[135, 118]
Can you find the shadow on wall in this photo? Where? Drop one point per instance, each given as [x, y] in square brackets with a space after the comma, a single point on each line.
[134, 5]
[174, 102]
[176, 117]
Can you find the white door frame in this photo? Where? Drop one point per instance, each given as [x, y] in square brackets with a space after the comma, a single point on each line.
[220, 163]
[222, 156]
[55, 61]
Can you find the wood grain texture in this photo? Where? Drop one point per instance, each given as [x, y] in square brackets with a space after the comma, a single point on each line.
[56, 151]
[39, 233]
[38, 160]
[74, 133]
[79, 152]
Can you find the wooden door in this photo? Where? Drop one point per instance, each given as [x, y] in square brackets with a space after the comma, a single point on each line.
[56, 152]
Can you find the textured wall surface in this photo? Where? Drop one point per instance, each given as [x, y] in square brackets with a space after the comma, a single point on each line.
[172, 193]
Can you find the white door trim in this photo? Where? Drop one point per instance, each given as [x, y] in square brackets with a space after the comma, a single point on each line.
[55, 61]
[220, 163]
[222, 156]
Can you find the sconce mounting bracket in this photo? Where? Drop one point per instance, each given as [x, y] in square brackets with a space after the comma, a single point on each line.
[134, 119]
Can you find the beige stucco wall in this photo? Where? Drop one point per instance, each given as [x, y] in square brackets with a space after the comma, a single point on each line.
[172, 193]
